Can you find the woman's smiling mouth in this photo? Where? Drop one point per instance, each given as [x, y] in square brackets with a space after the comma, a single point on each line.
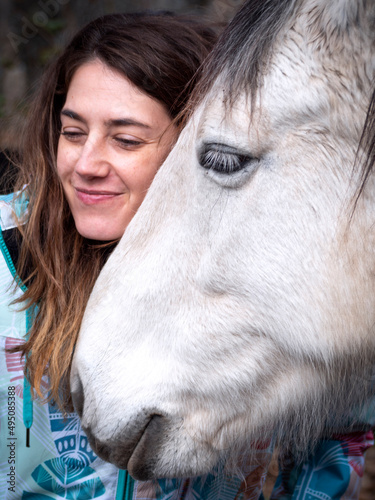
[91, 197]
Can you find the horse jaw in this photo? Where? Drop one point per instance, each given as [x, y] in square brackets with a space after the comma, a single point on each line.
[177, 437]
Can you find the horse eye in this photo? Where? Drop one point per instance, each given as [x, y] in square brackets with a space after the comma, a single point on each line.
[223, 159]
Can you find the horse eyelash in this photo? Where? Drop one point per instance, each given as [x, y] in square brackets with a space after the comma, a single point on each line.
[225, 163]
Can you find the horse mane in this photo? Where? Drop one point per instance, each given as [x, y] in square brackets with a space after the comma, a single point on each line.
[243, 50]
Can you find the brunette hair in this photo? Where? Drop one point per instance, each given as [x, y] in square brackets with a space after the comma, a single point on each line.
[159, 53]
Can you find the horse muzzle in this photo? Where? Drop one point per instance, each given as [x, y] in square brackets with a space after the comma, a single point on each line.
[136, 448]
[137, 453]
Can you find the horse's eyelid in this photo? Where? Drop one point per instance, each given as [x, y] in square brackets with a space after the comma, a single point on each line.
[224, 162]
[242, 158]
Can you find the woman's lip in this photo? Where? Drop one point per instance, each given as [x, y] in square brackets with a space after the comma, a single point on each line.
[91, 197]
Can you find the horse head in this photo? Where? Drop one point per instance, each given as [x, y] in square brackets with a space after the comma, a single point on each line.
[239, 304]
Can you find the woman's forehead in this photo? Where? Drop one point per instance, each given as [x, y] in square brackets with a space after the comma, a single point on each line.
[100, 91]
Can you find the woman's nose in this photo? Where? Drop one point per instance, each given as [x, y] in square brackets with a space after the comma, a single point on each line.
[93, 160]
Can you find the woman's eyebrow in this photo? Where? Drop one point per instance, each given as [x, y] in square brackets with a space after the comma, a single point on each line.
[115, 122]
[121, 122]
[72, 114]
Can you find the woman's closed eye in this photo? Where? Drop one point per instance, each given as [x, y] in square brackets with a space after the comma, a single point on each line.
[124, 143]
[73, 135]
[127, 143]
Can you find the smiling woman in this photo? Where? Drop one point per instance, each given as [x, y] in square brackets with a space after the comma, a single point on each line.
[99, 129]
[108, 155]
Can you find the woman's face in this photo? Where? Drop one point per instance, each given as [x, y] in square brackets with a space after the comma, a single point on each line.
[111, 145]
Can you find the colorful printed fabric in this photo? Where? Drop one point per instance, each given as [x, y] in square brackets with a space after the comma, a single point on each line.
[214, 486]
[218, 485]
[334, 471]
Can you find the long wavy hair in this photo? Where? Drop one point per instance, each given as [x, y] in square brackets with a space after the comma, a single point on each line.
[159, 53]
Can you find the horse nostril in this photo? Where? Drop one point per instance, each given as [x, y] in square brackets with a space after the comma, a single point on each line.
[142, 461]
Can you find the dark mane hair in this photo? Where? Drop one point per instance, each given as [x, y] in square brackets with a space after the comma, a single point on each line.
[242, 52]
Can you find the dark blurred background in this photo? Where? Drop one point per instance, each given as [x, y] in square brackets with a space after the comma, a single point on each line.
[32, 32]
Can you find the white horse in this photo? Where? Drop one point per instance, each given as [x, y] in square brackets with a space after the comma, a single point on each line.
[240, 303]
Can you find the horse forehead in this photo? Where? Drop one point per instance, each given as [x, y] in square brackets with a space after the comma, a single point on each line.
[283, 104]
[293, 89]
[292, 97]
[219, 123]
